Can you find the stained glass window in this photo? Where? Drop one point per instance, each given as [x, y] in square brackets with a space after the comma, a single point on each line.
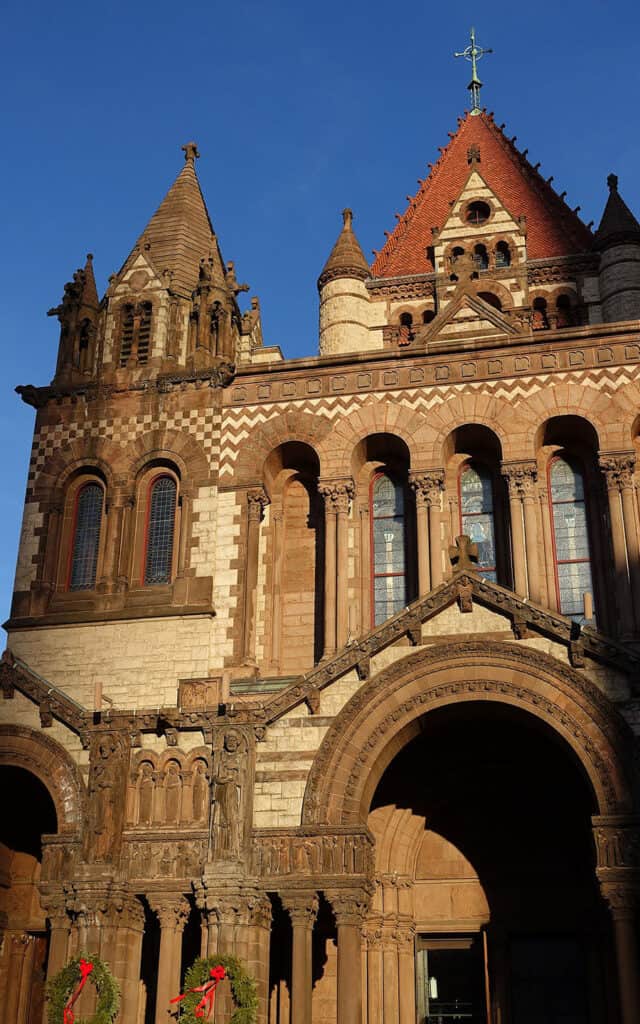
[570, 536]
[388, 548]
[160, 529]
[476, 516]
[86, 537]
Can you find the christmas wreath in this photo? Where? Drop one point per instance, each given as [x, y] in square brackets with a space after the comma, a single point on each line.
[64, 989]
[200, 983]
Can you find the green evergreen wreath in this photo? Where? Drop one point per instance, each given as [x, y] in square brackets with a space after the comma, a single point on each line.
[243, 989]
[63, 985]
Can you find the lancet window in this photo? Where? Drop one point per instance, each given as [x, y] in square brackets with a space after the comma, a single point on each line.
[571, 548]
[135, 333]
[86, 537]
[477, 518]
[161, 520]
[388, 547]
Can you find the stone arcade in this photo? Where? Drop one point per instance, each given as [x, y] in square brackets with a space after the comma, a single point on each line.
[333, 662]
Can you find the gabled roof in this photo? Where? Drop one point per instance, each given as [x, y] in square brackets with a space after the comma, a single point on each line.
[180, 232]
[346, 259]
[553, 229]
[618, 224]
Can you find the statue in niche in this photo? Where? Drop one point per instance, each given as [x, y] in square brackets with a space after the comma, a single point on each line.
[106, 770]
[200, 790]
[146, 786]
[173, 793]
[226, 822]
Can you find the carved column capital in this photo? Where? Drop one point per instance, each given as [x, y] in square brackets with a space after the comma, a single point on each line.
[618, 470]
[427, 486]
[621, 898]
[617, 838]
[336, 494]
[521, 478]
[349, 907]
[172, 911]
[302, 907]
[55, 907]
[257, 501]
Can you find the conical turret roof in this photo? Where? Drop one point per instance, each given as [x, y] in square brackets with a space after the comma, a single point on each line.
[346, 259]
[553, 229]
[618, 224]
[180, 232]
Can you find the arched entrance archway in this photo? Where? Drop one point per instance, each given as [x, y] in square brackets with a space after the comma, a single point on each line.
[561, 708]
[43, 810]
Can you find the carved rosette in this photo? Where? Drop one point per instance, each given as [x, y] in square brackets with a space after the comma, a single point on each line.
[257, 501]
[521, 479]
[336, 494]
[618, 470]
[428, 487]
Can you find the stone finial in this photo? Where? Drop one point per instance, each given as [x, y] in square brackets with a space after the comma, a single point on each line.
[191, 152]
[347, 217]
[612, 182]
[464, 553]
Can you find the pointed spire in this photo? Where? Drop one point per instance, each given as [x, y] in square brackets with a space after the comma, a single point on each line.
[180, 234]
[346, 259]
[618, 224]
[89, 290]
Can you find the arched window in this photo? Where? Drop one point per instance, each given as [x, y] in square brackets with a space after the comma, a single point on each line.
[540, 318]
[564, 312]
[491, 299]
[388, 576]
[86, 537]
[161, 518]
[480, 257]
[428, 316]
[477, 516]
[571, 550]
[405, 334]
[478, 212]
[135, 333]
[503, 255]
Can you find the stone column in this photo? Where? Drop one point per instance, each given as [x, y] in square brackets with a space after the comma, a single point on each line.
[617, 839]
[547, 543]
[375, 975]
[405, 935]
[303, 910]
[124, 954]
[336, 495]
[256, 502]
[350, 911]
[417, 484]
[365, 568]
[619, 470]
[434, 485]
[18, 946]
[513, 473]
[277, 518]
[528, 485]
[114, 520]
[184, 531]
[55, 908]
[172, 912]
[124, 559]
[616, 471]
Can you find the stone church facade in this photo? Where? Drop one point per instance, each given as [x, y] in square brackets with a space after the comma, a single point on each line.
[333, 662]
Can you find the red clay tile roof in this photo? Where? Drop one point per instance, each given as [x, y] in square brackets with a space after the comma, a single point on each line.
[552, 228]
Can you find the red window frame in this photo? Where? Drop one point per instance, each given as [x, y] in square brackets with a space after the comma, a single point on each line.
[147, 521]
[567, 561]
[379, 575]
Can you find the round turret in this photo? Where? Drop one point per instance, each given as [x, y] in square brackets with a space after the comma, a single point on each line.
[344, 299]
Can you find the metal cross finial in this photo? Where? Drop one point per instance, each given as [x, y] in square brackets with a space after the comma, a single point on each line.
[473, 53]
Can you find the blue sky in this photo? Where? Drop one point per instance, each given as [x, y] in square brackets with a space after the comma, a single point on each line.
[298, 111]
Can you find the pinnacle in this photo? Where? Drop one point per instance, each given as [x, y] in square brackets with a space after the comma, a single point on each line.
[346, 259]
[618, 223]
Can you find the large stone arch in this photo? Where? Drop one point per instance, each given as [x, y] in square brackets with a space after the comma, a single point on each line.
[163, 443]
[375, 417]
[509, 423]
[21, 747]
[291, 425]
[384, 715]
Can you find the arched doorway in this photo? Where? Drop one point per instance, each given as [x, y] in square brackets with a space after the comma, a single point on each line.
[486, 816]
[29, 811]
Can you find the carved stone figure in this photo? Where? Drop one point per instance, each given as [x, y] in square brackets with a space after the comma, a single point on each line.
[200, 790]
[146, 786]
[173, 793]
[106, 796]
[226, 824]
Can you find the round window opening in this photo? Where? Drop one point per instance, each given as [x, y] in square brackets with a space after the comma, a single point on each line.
[478, 212]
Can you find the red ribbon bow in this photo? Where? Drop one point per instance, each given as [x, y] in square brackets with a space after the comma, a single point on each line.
[86, 968]
[208, 989]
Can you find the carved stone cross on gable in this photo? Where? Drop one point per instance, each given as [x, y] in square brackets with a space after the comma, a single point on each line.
[464, 553]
